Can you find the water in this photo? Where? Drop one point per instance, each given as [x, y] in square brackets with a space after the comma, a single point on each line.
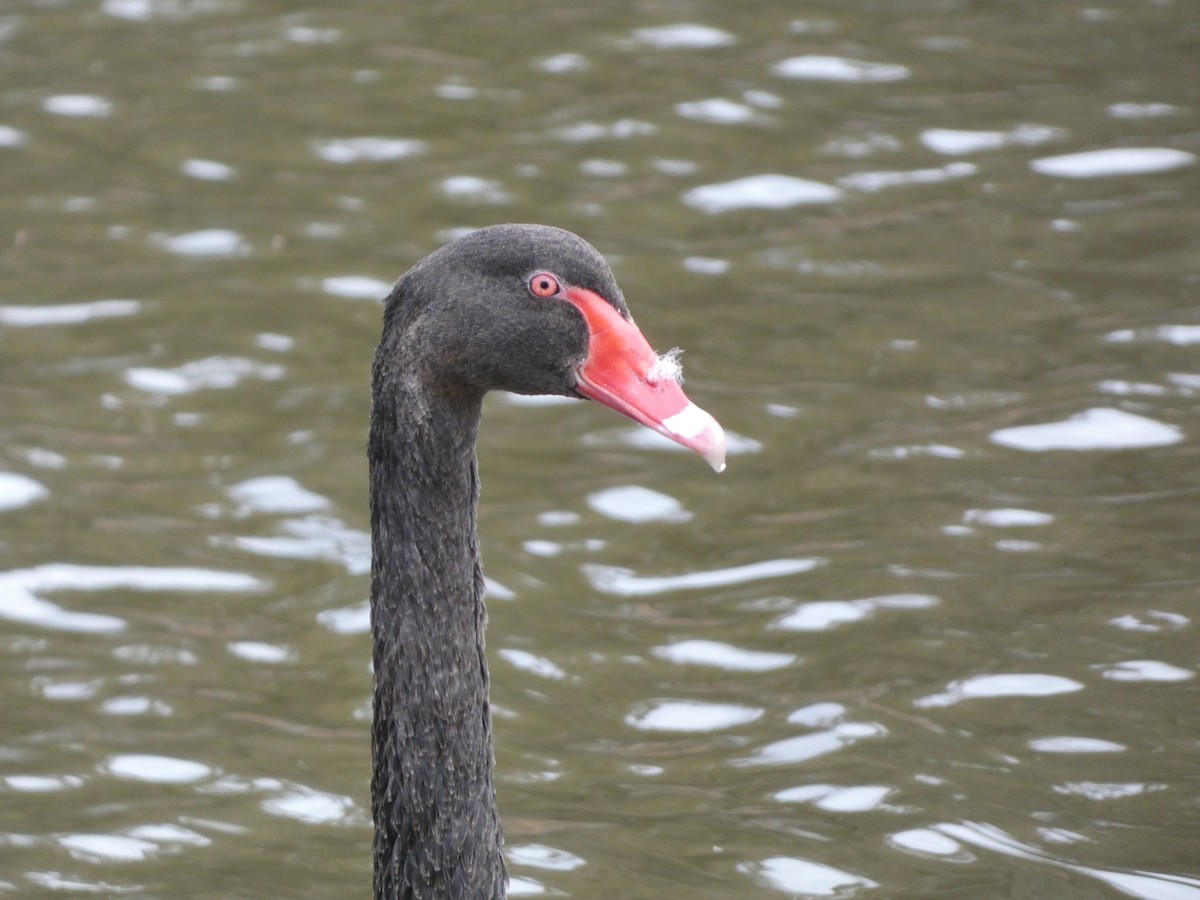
[934, 267]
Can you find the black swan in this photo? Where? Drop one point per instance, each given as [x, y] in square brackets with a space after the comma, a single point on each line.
[523, 308]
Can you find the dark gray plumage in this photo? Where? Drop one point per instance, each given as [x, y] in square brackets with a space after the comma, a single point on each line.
[524, 308]
[460, 323]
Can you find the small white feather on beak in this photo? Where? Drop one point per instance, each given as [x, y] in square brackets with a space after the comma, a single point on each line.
[667, 367]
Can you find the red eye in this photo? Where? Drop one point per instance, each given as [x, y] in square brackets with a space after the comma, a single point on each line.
[543, 284]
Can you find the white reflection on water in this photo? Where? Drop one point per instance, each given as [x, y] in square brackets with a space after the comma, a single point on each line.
[66, 313]
[718, 111]
[1108, 790]
[136, 706]
[1141, 884]
[214, 372]
[473, 187]
[259, 652]
[19, 490]
[634, 503]
[1141, 110]
[40, 784]
[313, 537]
[542, 857]
[809, 746]
[521, 886]
[938, 451]
[804, 878]
[877, 181]
[926, 842]
[53, 689]
[706, 265]
[146, 10]
[155, 769]
[167, 833]
[1100, 428]
[684, 36]
[817, 715]
[625, 583]
[56, 881]
[603, 168]
[1071, 744]
[276, 343]
[691, 716]
[313, 807]
[210, 242]
[1144, 670]
[107, 847]
[723, 656]
[953, 142]
[366, 149]
[207, 170]
[354, 619]
[1115, 161]
[839, 68]
[1020, 684]
[823, 615]
[1180, 335]
[19, 589]
[1007, 517]
[855, 798]
[11, 137]
[356, 287]
[535, 665]
[78, 106]
[275, 494]
[562, 63]
[1154, 620]
[770, 191]
[621, 129]
[1122, 388]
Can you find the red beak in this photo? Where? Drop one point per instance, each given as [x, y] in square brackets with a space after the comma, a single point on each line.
[624, 373]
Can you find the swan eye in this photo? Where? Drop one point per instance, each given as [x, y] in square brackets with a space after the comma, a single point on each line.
[543, 284]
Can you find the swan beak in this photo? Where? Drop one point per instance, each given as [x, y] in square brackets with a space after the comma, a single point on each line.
[623, 372]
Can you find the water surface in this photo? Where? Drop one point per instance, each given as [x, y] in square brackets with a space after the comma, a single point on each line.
[935, 269]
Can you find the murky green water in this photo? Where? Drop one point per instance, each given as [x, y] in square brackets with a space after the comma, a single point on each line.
[932, 634]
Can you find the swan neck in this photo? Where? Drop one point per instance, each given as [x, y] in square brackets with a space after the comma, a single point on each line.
[437, 830]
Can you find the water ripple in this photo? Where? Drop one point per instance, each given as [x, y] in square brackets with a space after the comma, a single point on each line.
[66, 313]
[832, 798]
[344, 151]
[1116, 161]
[691, 716]
[810, 746]
[207, 242]
[723, 656]
[633, 503]
[771, 191]
[823, 615]
[1023, 684]
[805, 878]
[954, 142]
[1141, 884]
[1093, 429]
[684, 36]
[19, 490]
[19, 589]
[88, 106]
[155, 769]
[625, 583]
[839, 68]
